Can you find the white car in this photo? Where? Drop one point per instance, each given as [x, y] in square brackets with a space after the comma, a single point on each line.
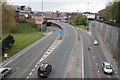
[107, 68]
[4, 72]
[95, 42]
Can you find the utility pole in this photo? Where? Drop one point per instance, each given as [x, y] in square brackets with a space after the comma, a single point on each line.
[42, 17]
[87, 7]
[77, 12]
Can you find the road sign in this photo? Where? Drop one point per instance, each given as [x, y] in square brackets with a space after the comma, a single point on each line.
[60, 33]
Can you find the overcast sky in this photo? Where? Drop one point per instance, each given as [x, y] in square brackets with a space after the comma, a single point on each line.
[63, 5]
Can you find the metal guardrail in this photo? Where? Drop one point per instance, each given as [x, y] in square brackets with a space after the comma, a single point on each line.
[109, 23]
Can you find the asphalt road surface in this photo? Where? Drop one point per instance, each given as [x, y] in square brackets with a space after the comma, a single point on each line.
[23, 65]
[69, 59]
[94, 57]
[26, 65]
[60, 57]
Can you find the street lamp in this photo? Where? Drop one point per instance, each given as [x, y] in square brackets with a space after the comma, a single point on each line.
[42, 17]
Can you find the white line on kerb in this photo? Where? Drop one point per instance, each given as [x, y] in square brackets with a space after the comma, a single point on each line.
[23, 52]
[82, 58]
[104, 54]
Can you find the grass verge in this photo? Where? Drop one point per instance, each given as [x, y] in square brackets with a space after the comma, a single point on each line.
[24, 28]
[81, 27]
[22, 41]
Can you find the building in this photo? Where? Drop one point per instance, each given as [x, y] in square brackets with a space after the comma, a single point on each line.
[38, 18]
[22, 11]
[55, 15]
[104, 13]
[89, 15]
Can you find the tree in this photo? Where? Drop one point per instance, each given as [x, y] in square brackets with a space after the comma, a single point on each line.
[8, 17]
[115, 11]
[7, 42]
[80, 20]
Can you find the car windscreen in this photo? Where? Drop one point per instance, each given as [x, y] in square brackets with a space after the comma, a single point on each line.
[42, 69]
[108, 67]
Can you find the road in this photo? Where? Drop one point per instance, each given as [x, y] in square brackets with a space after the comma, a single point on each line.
[26, 65]
[60, 57]
[69, 59]
[94, 57]
[23, 65]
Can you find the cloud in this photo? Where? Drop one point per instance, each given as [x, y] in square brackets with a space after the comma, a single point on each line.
[62, 6]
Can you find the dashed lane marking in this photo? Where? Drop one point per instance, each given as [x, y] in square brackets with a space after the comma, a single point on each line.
[33, 70]
[27, 78]
[36, 65]
[105, 54]
[46, 54]
[30, 74]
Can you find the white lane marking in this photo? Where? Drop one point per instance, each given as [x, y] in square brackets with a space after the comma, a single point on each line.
[82, 58]
[27, 78]
[114, 69]
[16, 57]
[118, 76]
[51, 48]
[44, 56]
[36, 65]
[89, 33]
[30, 74]
[33, 70]
[105, 54]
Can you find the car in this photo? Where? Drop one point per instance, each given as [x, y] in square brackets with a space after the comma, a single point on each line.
[44, 69]
[60, 37]
[4, 72]
[95, 42]
[53, 29]
[107, 68]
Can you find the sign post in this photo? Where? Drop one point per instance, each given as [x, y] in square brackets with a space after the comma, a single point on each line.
[60, 35]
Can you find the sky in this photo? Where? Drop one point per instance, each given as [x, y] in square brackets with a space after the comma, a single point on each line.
[63, 5]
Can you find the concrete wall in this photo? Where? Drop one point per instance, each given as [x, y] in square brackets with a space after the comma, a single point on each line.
[119, 51]
[109, 35]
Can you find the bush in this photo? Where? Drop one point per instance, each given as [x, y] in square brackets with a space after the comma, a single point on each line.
[23, 20]
[80, 20]
[7, 42]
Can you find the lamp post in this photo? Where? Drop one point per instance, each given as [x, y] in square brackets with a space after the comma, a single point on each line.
[87, 7]
[42, 17]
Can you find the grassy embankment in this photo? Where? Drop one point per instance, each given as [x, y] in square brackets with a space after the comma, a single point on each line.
[25, 34]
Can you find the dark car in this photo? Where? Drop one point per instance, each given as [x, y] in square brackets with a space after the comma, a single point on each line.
[44, 70]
